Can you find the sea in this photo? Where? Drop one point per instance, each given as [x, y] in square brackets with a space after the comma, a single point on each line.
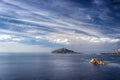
[46, 66]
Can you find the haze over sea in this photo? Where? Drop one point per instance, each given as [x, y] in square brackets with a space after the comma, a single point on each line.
[35, 66]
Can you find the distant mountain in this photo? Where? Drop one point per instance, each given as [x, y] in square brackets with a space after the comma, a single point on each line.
[63, 51]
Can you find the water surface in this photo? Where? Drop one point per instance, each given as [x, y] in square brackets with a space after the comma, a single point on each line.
[25, 66]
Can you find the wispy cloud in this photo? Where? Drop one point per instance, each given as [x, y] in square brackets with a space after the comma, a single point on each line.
[63, 23]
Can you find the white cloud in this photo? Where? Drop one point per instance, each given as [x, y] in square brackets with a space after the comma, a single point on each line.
[5, 37]
[17, 39]
[71, 38]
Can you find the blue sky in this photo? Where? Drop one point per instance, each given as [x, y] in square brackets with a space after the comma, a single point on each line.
[44, 25]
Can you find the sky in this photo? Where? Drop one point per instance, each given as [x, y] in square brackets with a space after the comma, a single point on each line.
[86, 26]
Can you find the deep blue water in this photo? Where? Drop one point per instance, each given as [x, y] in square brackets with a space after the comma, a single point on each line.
[57, 67]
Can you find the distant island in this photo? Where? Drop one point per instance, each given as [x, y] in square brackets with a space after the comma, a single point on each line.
[64, 51]
[116, 52]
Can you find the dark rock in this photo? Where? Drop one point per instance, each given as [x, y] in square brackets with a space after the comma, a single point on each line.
[63, 51]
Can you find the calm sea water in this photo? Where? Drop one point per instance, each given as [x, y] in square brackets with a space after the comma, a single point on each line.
[57, 67]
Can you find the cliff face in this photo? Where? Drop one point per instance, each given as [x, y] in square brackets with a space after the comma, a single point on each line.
[63, 51]
[116, 52]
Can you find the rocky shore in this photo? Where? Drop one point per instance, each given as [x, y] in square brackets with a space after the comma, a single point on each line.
[97, 61]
